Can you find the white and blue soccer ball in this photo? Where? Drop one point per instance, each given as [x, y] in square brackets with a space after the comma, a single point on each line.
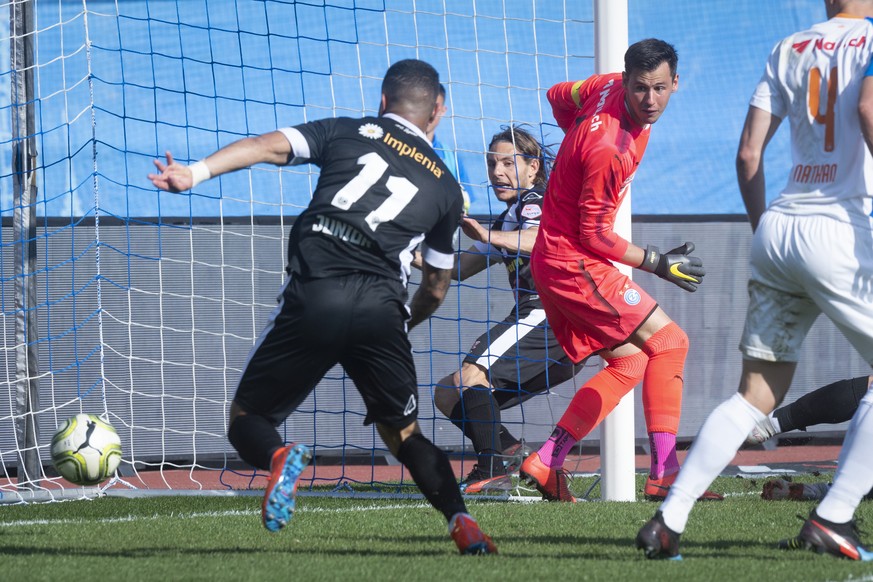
[86, 450]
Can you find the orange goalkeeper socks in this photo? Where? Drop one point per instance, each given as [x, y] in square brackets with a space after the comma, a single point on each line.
[662, 383]
[591, 404]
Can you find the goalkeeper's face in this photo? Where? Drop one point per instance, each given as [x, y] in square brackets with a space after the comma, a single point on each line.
[510, 171]
[648, 92]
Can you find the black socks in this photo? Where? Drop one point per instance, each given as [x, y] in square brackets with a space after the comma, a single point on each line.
[255, 439]
[478, 415]
[830, 404]
[432, 472]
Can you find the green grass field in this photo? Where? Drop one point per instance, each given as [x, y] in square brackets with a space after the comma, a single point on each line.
[221, 538]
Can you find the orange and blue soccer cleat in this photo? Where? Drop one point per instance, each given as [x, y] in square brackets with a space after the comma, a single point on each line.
[657, 489]
[826, 537]
[468, 537]
[551, 483]
[657, 540]
[280, 496]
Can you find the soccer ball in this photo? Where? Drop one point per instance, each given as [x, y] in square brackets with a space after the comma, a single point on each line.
[86, 449]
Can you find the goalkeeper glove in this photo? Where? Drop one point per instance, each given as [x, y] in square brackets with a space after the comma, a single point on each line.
[675, 266]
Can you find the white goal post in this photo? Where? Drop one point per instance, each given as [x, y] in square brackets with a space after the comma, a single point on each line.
[617, 443]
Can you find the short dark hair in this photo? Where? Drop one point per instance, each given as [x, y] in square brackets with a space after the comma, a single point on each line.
[527, 146]
[647, 55]
[443, 90]
[413, 83]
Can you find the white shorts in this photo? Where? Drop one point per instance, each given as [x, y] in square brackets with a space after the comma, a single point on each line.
[802, 266]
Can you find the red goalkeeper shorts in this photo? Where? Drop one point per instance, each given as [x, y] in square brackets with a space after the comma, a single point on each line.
[592, 308]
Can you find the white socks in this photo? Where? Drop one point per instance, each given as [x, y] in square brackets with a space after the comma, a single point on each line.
[715, 446]
[775, 422]
[854, 477]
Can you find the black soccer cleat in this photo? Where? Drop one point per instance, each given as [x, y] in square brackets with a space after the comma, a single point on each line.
[826, 537]
[657, 541]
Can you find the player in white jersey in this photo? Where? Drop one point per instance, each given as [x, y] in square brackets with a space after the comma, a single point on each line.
[809, 78]
[812, 252]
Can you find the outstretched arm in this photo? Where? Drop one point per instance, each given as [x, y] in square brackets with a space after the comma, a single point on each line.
[468, 264]
[271, 148]
[512, 241]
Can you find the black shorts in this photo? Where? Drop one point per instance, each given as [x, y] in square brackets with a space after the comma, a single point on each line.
[521, 355]
[358, 321]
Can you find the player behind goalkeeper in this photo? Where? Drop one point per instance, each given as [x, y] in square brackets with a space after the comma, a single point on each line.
[590, 304]
[382, 191]
[518, 357]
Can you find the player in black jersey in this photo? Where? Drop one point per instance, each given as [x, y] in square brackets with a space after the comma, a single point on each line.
[382, 191]
[520, 356]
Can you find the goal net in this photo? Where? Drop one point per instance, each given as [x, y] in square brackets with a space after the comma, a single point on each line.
[141, 306]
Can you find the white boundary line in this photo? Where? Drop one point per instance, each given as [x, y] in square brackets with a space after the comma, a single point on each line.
[206, 515]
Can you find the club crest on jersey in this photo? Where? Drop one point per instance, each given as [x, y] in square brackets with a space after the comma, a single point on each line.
[371, 130]
[632, 297]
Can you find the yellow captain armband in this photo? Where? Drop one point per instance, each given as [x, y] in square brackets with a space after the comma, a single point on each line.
[574, 93]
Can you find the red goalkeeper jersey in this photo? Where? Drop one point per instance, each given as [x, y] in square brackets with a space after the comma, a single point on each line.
[594, 167]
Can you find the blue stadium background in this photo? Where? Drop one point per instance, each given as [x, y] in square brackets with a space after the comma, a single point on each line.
[206, 98]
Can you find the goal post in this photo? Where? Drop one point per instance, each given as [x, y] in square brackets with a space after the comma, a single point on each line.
[24, 153]
[618, 442]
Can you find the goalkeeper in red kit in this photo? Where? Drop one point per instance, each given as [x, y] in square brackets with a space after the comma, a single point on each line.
[591, 306]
